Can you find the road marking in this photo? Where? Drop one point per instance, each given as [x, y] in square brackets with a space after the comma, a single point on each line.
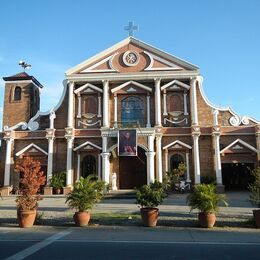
[36, 247]
[159, 242]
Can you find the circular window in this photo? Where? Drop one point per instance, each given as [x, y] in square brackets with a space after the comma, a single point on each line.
[130, 58]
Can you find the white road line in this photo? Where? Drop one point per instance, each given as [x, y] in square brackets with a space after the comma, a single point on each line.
[159, 242]
[36, 247]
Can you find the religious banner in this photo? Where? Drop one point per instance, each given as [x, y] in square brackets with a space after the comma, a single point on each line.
[127, 143]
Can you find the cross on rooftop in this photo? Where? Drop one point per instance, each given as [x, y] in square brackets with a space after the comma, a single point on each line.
[131, 28]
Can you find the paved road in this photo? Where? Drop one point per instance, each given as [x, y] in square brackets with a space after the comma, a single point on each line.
[128, 243]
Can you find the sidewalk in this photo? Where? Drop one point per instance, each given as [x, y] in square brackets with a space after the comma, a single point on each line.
[174, 211]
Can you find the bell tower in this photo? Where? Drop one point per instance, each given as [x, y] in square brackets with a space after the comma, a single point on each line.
[21, 98]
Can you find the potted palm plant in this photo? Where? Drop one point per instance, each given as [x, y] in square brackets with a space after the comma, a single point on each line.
[31, 180]
[85, 194]
[255, 195]
[58, 181]
[149, 197]
[205, 198]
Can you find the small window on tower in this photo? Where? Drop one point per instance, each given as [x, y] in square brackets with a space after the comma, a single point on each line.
[17, 93]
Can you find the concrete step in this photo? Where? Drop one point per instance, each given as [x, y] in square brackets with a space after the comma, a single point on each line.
[121, 194]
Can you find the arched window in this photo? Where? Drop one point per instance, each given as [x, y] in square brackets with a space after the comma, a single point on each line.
[132, 109]
[175, 103]
[90, 106]
[17, 93]
[176, 159]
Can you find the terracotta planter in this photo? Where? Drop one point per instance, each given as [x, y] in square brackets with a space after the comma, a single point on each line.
[81, 218]
[149, 216]
[207, 220]
[26, 218]
[57, 191]
[256, 213]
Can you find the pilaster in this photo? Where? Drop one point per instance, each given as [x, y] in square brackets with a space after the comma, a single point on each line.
[70, 104]
[257, 133]
[158, 117]
[105, 103]
[70, 139]
[196, 157]
[193, 101]
[159, 157]
[9, 138]
[150, 159]
[50, 136]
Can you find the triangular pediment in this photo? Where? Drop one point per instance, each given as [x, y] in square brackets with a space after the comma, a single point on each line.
[177, 145]
[32, 149]
[238, 146]
[131, 55]
[87, 146]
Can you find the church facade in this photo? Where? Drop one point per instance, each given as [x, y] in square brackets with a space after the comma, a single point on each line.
[132, 87]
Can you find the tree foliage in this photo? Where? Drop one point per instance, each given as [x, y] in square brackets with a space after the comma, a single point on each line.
[205, 198]
[31, 179]
[254, 188]
[86, 193]
[150, 195]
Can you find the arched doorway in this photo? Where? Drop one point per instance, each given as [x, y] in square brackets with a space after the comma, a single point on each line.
[133, 170]
[175, 160]
[88, 166]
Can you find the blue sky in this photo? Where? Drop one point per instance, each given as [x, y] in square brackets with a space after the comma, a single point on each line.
[221, 37]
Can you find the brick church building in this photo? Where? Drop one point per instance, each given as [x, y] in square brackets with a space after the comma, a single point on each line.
[130, 86]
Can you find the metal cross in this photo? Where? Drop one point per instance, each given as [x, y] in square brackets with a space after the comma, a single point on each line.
[131, 28]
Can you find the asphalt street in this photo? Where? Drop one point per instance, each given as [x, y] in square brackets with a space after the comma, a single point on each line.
[128, 243]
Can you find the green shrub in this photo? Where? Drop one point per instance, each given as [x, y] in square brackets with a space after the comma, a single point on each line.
[254, 188]
[58, 180]
[205, 198]
[86, 193]
[150, 195]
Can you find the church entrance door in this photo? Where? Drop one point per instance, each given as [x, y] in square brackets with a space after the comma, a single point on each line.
[132, 170]
[88, 166]
[236, 176]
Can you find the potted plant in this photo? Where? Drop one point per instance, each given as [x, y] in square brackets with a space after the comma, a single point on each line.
[255, 195]
[149, 197]
[205, 198]
[58, 181]
[31, 180]
[85, 194]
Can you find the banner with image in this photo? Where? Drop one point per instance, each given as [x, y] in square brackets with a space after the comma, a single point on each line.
[127, 143]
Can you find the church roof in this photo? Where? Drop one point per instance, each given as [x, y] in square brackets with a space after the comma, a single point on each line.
[147, 49]
[23, 76]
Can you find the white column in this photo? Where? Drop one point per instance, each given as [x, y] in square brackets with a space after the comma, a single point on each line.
[215, 117]
[159, 158]
[99, 166]
[99, 106]
[115, 109]
[150, 159]
[164, 103]
[105, 160]
[70, 104]
[166, 160]
[158, 119]
[188, 167]
[105, 167]
[193, 99]
[8, 155]
[50, 159]
[217, 158]
[257, 135]
[69, 160]
[148, 124]
[78, 166]
[185, 104]
[196, 158]
[79, 106]
[105, 103]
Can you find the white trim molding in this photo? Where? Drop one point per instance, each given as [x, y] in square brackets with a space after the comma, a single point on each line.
[32, 145]
[85, 144]
[177, 142]
[250, 147]
[137, 84]
[175, 82]
[88, 85]
[23, 125]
